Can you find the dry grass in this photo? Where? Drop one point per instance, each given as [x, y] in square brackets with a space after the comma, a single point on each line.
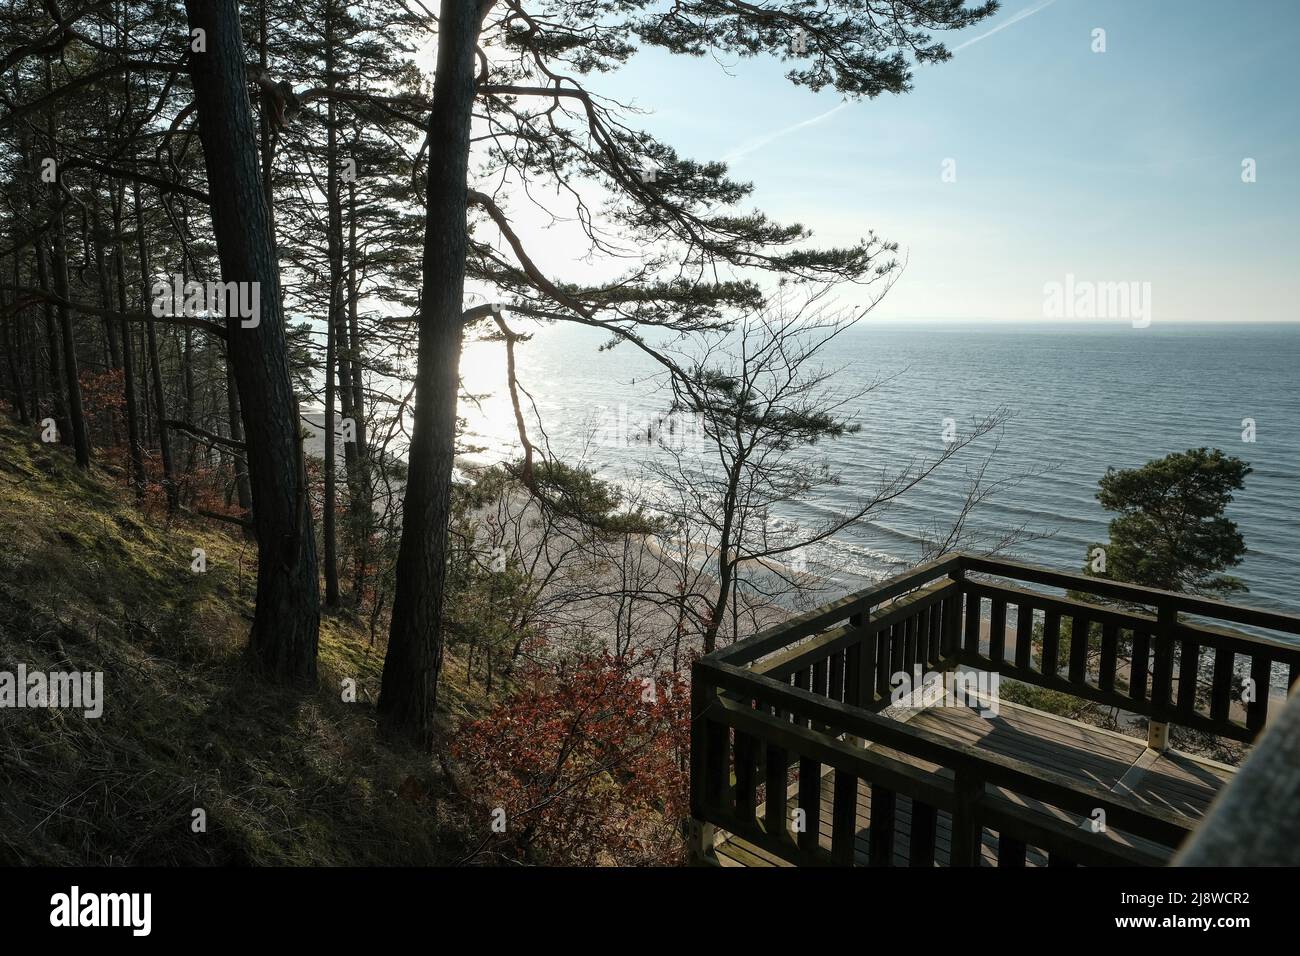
[88, 582]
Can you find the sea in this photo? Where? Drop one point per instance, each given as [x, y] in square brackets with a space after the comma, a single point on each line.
[1082, 398]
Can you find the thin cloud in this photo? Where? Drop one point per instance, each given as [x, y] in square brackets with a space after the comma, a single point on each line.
[1027, 12]
[756, 144]
[760, 142]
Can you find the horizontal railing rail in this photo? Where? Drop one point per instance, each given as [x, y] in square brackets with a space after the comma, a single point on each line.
[1157, 665]
[804, 695]
[818, 619]
[750, 729]
[1134, 593]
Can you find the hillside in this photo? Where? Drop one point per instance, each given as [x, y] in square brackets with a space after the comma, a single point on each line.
[89, 581]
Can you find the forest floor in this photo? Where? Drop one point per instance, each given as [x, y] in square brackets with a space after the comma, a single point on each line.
[91, 582]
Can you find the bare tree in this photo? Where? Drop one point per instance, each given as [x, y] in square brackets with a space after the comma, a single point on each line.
[763, 403]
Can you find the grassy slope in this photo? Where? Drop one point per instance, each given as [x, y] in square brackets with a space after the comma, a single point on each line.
[90, 582]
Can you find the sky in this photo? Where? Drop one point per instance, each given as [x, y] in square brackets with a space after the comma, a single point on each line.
[1122, 166]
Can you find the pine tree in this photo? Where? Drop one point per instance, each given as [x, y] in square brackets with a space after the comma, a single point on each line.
[547, 125]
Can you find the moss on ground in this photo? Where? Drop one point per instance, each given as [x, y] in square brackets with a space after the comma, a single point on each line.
[88, 581]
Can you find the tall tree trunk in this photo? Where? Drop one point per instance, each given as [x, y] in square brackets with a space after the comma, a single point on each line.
[71, 374]
[155, 369]
[13, 349]
[348, 412]
[105, 289]
[408, 694]
[726, 560]
[34, 352]
[59, 268]
[286, 621]
[185, 352]
[361, 489]
[50, 368]
[111, 343]
[266, 145]
[334, 226]
[242, 491]
[58, 407]
[128, 356]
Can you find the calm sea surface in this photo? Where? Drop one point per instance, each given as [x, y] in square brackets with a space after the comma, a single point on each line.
[1084, 397]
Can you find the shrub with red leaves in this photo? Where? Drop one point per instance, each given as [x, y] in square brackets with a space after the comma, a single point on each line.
[103, 401]
[587, 761]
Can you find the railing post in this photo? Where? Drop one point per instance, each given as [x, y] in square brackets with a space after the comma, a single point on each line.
[967, 830]
[699, 832]
[1162, 677]
[699, 843]
[952, 615]
[1157, 735]
[857, 673]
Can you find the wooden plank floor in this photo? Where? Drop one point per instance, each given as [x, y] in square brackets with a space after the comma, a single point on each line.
[1171, 780]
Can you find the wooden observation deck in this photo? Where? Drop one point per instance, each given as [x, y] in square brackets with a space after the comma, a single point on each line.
[955, 774]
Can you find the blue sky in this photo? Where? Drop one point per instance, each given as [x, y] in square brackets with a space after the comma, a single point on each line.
[1113, 167]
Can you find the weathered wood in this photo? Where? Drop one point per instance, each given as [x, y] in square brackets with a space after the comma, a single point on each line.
[820, 647]
[866, 764]
[817, 717]
[745, 756]
[1040, 825]
[699, 843]
[701, 693]
[1254, 821]
[952, 605]
[1064, 606]
[844, 818]
[1163, 666]
[1261, 675]
[716, 746]
[802, 679]
[880, 836]
[1134, 594]
[1246, 644]
[911, 642]
[1085, 691]
[818, 619]
[1051, 641]
[1076, 843]
[793, 659]
[775, 783]
[1189, 665]
[897, 648]
[883, 670]
[1024, 635]
[835, 676]
[1034, 782]
[810, 799]
[934, 631]
[998, 631]
[857, 676]
[819, 675]
[967, 826]
[1011, 852]
[779, 846]
[1139, 667]
[1109, 654]
[1079, 628]
[1221, 685]
[971, 641]
[920, 848]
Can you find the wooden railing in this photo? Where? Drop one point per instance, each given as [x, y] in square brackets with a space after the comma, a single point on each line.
[1180, 671]
[806, 695]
